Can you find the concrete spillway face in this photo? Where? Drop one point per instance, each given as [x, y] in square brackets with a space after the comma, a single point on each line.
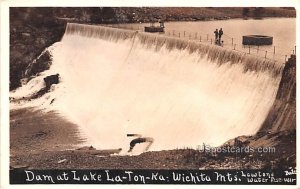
[182, 94]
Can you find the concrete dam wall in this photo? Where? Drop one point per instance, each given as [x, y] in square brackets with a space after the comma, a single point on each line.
[181, 93]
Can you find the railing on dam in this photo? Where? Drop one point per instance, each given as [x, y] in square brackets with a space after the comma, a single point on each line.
[269, 52]
[273, 52]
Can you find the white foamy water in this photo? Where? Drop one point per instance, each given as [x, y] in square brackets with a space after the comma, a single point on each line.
[115, 83]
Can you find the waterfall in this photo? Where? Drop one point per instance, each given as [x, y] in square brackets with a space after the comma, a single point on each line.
[179, 92]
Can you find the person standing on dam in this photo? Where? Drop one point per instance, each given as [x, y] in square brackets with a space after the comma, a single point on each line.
[138, 140]
[216, 36]
[220, 34]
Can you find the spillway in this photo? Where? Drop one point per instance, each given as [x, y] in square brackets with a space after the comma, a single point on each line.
[179, 92]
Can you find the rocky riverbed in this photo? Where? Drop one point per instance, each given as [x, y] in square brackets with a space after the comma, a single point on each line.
[45, 140]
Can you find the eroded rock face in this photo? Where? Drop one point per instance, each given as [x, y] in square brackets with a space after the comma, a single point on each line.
[42, 63]
[31, 31]
[282, 115]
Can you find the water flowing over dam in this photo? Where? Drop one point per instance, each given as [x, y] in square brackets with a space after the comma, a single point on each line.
[181, 93]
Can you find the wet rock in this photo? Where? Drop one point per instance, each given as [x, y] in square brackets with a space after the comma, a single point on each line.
[17, 167]
[62, 161]
[49, 81]
[26, 34]
[52, 79]
[86, 148]
[52, 101]
[41, 64]
[24, 81]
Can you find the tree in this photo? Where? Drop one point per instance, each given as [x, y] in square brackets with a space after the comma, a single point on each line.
[108, 14]
[96, 16]
[245, 12]
[258, 11]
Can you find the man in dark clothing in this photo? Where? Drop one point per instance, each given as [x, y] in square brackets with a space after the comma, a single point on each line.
[138, 140]
[216, 35]
[220, 34]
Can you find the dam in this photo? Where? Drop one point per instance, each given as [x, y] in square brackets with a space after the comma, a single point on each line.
[181, 93]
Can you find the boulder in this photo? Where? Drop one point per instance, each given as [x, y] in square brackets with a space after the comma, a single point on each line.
[52, 79]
